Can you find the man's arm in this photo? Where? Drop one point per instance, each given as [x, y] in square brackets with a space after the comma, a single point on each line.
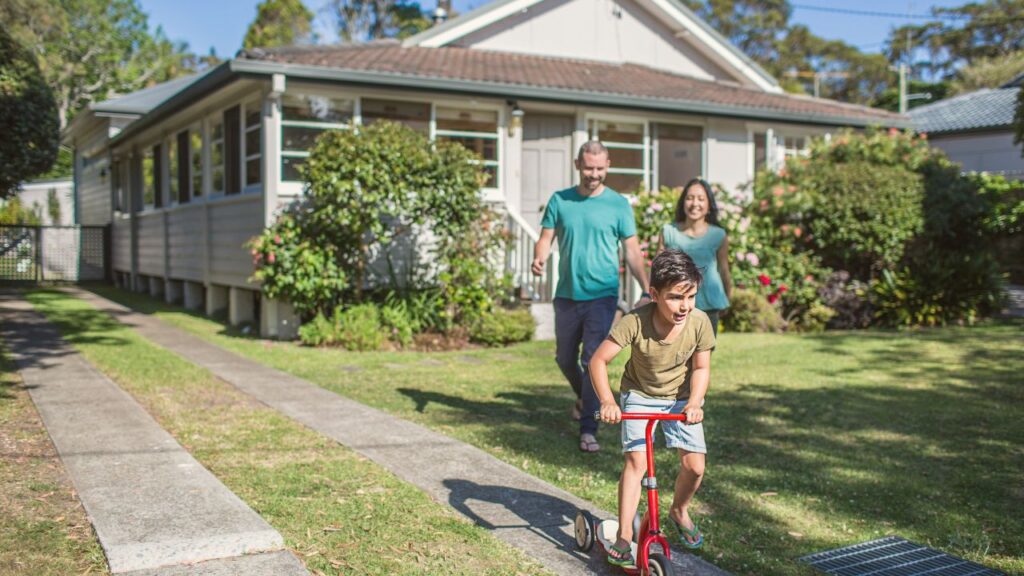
[541, 250]
[605, 353]
[635, 261]
[699, 379]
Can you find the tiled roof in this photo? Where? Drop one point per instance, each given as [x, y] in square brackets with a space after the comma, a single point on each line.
[590, 79]
[988, 108]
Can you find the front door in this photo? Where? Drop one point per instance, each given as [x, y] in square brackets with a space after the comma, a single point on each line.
[547, 162]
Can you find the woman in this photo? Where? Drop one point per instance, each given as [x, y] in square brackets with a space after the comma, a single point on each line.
[696, 232]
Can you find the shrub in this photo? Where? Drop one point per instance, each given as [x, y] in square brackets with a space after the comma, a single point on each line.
[398, 323]
[848, 298]
[502, 326]
[751, 312]
[358, 328]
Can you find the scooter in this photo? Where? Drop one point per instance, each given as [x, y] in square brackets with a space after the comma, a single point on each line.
[588, 530]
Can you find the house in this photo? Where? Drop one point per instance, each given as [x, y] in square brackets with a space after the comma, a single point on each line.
[52, 200]
[976, 129]
[521, 82]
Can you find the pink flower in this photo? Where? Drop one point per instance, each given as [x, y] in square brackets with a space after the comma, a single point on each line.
[792, 188]
[893, 131]
[753, 259]
[797, 232]
[744, 224]
[784, 228]
[808, 278]
[777, 191]
[657, 206]
[271, 257]
[764, 279]
[277, 239]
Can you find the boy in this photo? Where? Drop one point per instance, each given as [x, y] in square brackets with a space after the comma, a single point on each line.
[668, 371]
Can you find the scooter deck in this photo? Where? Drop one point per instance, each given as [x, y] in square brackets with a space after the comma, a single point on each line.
[606, 536]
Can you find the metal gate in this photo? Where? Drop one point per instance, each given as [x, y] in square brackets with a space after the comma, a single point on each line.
[53, 253]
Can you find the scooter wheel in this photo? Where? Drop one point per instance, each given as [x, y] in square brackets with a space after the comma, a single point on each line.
[584, 530]
[659, 565]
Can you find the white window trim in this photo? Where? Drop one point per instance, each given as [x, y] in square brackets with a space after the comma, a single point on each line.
[488, 191]
[196, 127]
[243, 149]
[211, 120]
[172, 176]
[590, 122]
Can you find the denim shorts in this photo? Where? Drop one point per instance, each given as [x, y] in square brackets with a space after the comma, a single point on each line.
[689, 437]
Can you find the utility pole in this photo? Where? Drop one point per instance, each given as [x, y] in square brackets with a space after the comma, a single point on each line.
[903, 88]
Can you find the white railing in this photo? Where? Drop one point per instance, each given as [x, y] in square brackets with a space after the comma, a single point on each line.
[520, 259]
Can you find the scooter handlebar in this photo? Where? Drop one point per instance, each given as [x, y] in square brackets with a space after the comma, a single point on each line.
[647, 416]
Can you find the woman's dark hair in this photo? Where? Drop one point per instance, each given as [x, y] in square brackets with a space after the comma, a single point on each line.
[712, 205]
[671, 266]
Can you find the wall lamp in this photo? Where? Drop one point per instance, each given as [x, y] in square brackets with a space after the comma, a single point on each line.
[517, 119]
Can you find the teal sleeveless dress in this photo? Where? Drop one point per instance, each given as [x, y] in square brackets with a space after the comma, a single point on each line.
[704, 251]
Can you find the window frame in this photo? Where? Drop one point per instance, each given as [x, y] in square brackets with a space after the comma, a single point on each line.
[591, 123]
[245, 155]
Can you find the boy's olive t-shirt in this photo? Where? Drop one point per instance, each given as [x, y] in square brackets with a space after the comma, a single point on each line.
[660, 369]
[589, 229]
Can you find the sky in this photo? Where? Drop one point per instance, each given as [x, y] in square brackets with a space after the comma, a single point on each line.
[221, 24]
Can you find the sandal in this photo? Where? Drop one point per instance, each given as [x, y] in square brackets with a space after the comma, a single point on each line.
[692, 539]
[621, 557]
[588, 443]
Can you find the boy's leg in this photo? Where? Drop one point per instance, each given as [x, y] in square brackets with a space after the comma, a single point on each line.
[691, 472]
[568, 337]
[629, 494]
[597, 322]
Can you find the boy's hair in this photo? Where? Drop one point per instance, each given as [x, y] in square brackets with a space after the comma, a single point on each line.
[671, 267]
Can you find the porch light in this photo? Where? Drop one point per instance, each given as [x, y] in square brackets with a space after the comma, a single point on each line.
[517, 119]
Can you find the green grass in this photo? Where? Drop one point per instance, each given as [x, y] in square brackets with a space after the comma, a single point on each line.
[337, 511]
[816, 441]
[43, 528]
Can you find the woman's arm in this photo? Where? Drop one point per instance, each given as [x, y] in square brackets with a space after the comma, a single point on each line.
[723, 267]
[603, 356]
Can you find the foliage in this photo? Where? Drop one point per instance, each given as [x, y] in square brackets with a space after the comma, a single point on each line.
[652, 209]
[1006, 197]
[961, 35]
[855, 214]
[889, 99]
[398, 323]
[502, 326]
[92, 50]
[279, 23]
[848, 299]
[933, 297]
[53, 206]
[369, 195]
[28, 114]
[423, 308]
[14, 213]
[988, 73]
[365, 20]
[749, 311]
[359, 329]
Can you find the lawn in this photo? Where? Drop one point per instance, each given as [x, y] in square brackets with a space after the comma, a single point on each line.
[43, 528]
[816, 441]
[339, 513]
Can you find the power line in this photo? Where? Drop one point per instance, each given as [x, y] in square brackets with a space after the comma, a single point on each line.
[880, 14]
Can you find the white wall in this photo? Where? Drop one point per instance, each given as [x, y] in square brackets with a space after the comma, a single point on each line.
[35, 196]
[987, 151]
[727, 152]
[605, 30]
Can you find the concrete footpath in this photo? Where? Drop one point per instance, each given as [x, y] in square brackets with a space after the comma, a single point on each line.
[518, 508]
[156, 511]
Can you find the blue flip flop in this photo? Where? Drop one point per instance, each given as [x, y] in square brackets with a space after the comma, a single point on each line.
[695, 534]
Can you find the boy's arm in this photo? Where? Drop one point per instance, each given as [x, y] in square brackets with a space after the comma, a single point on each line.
[699, 379]
[606, 352]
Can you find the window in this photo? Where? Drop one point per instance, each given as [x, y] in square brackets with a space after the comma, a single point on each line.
[118, 188]
[148, 179]
[304, 117]
[173, 179]
[252, 152]
[195, 147]
[627, 149]
[760, 151]
[415, 115]
[217, 156]
[678, 154]
[792, 146]
[477, 131]
[232, 150]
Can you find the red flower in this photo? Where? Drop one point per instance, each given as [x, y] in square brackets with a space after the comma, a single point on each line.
[893, 131]
[764, 280]
[783, 289]
[773, 298]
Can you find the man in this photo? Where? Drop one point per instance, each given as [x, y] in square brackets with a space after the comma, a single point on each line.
[590, 220]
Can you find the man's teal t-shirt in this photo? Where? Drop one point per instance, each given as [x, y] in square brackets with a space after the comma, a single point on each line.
[588, 229]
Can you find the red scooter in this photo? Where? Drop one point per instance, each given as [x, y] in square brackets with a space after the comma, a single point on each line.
[647, 563]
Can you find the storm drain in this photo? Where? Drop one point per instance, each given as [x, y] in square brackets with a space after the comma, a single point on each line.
[893, 556]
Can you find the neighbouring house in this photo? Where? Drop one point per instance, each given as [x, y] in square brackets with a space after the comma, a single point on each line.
[976, 129]
[53, 200]
[199, 167]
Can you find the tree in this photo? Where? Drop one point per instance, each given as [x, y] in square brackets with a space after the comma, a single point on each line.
[91, 50]
[280, 23]
[961, 36]
[53, 207]
[365, 20]
[889, 99]
[988, 73]
[28, 114]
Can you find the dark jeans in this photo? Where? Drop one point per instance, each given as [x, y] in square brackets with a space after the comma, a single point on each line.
[582, 323]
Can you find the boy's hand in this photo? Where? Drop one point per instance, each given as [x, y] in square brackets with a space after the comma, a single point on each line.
[694, 413]
[610, 413]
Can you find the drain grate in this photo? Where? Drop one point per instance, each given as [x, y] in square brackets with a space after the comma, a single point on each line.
[893, 556]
